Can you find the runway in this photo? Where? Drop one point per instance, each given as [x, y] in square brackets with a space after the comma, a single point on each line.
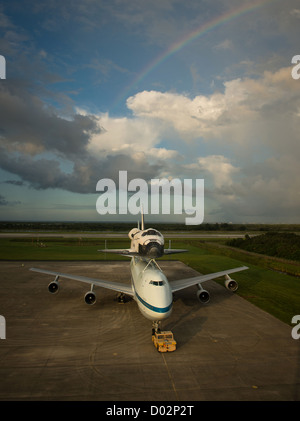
[59, 348]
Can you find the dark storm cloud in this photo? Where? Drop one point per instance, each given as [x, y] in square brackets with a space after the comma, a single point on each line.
[14, 182]
[29, 124]
[44, 173]
[40, 140]
[4, 202]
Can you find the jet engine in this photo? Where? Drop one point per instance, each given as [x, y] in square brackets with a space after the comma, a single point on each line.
[90, 298]
[231, 284]
[53, 287]
[202, 295]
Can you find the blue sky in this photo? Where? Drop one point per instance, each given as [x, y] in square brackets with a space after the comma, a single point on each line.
[96, 87]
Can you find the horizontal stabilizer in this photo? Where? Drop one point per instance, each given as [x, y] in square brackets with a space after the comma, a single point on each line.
[122, 252]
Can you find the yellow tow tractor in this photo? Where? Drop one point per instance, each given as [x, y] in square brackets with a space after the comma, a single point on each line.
[164, 341]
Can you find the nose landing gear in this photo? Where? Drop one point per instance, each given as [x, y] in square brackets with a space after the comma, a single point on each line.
[156, 327]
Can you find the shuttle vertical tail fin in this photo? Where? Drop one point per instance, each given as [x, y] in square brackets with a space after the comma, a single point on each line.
[142, 219]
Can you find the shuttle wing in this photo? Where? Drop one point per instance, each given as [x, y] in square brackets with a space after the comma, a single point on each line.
[174, 251]
[130, 253]
[115, 286]
[185, 283]
[122, 252]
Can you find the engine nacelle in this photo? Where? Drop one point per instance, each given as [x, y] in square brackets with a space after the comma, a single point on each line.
[231, 284]
[53, 287]
[90, 298]
[203, 295]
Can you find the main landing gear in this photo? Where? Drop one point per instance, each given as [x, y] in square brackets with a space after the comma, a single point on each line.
[121, 298]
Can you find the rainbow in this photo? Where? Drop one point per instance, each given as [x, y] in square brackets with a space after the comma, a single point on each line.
[188, 39]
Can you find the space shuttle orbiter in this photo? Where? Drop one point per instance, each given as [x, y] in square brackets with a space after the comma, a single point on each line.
[147, 243]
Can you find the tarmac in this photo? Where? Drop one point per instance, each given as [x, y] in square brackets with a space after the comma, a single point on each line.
[57, 348]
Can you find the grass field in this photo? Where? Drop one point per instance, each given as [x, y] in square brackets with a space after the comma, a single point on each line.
[272, 291]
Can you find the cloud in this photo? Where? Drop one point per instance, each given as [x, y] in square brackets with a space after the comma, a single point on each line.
[295, 13]
[220, 168]
[29, 126]
[42, 174]
[163, 153]
[263, 192]
[49, 151]
[244, 113]
[14, 182]
[190, 118]
[249, 132]
[257, 121]
[4, 202]
[226, 44]
[125, 135]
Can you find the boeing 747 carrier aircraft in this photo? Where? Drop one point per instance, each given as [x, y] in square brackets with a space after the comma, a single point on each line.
[149, 286]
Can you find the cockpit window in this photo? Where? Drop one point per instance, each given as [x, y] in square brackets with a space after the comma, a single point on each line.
[156, 283]
[151, 232]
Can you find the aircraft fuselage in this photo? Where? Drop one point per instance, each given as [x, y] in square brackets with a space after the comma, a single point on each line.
[152, 291]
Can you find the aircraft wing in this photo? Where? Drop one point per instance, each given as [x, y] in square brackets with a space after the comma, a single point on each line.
[185, 283]
[115, 286]
[173, 251]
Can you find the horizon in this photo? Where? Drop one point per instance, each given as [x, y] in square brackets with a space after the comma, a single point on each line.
[187, 227]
